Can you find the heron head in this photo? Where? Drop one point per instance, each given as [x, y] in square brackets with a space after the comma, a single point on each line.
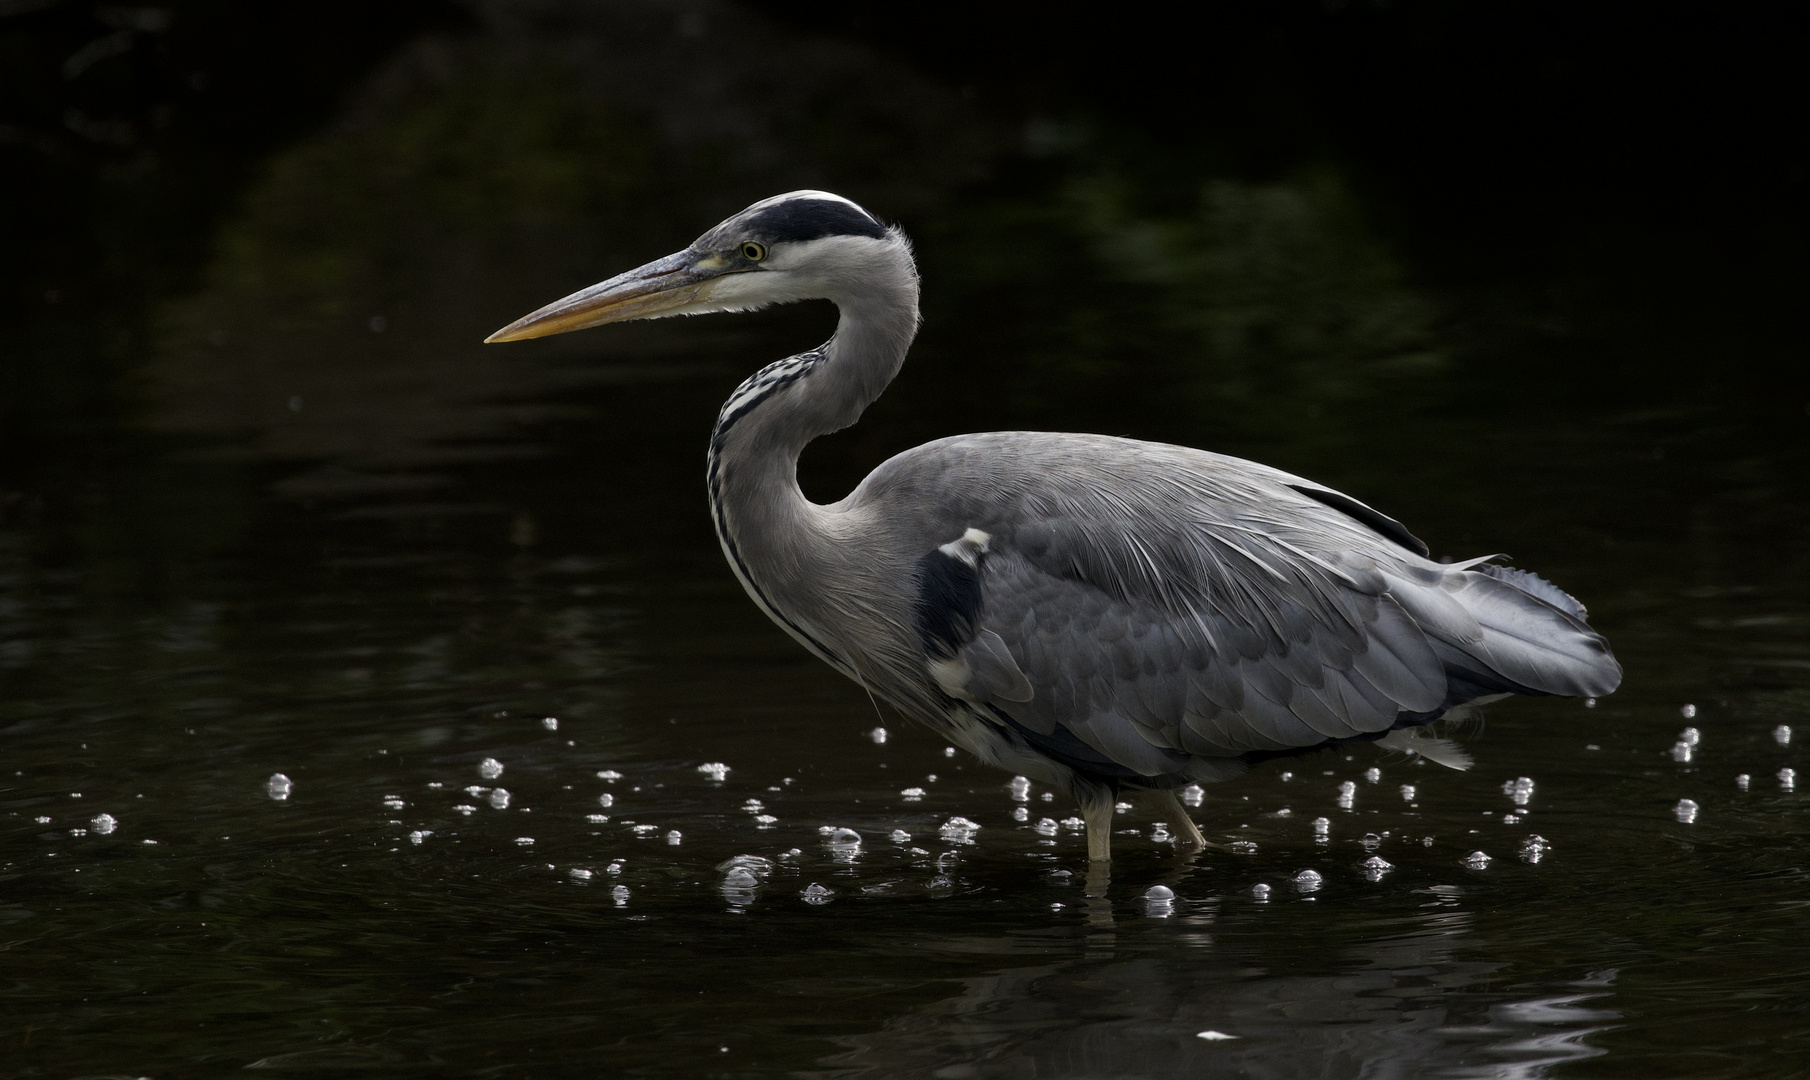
[797, 246]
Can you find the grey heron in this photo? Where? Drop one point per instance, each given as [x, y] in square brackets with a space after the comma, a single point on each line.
[1100, 614]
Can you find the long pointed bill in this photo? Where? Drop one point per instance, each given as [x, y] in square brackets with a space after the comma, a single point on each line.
[662, 287]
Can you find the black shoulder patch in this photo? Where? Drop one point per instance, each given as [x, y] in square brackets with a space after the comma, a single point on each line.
[798, 220]
[947, 609]
[1381, 524]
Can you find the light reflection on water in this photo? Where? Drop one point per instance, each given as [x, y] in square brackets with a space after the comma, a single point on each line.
[374, 565]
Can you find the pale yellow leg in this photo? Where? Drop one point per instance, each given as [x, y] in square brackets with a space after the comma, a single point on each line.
[1098, 815]
[1187, 833]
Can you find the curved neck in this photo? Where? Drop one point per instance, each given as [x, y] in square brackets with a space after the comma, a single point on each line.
[779, 543]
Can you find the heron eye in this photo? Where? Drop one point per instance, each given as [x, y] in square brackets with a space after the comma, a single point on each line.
[753, 252]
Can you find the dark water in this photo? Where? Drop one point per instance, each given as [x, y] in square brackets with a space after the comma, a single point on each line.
[285, 515]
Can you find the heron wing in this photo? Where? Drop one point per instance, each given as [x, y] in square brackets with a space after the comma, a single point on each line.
[1168, 607]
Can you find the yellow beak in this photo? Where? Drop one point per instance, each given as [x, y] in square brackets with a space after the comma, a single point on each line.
[662, 287]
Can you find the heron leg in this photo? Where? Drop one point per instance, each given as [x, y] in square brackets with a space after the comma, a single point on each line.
[1187, 832]
[1097, 813]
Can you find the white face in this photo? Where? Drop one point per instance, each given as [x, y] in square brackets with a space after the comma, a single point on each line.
[813, 269]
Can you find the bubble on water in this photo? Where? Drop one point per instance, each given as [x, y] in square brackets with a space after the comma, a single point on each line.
[278, 786]
[525, 841]
[620, 895]
[1074, 824]
[1782, 734]
[1193, 795]
[1687, 711]
[1159, 833]
[1045, 827]
[674, 838]
[597, 819]
[499, 798]
[931, 779]
[609, 775]
[474, 790]
[714, 770]
[1534, 848]
[1159, 902]
[1021, 813]
[1285, 812]
[754, 806]
[1214, 1036]
[1476, 860]
[912, 794]
[1510, 818]
[1020, 788]
[1048, 796]
[1260, 892]
[948, 751]
[958, 830]
[1787, 779]
[899, 836]
[1371, 841]
[878, 735]
[103, 823]
[1589, 703]
[741, 877]
[1426, 841]
[947, 860]
[579, 873]
[490, 768]
[1742, 780]
[1243, 847]
[1408, 792]
[1375, 867]
[765, 821]
[419, 836]
[1307, 881]
[393, 802]
[839, 837]
[1686, 811]
[614, 867]
[646, 830]
[1690, 736]
[1519, 790]
[551, 723]
[1347, 794]
[465, 808]
[1373, 774]
[1681, 751]
[606, 799]
[1121, 808]
[816, 894]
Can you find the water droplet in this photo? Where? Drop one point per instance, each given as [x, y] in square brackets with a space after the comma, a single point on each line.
[878, 735]
[1782, 734]
[948, 751]
[1534, 848]
[1589, 703]
[1375, 867]
[1742, 780]
[499, 799]
[646, 830]
[754, 806]
[912, 794]
[1045, 827]
[490, 768]
[674, 838]
[931, 779]
[1371, 841]
[1215, 1036]
[1686, 811]
[1121, 807]
[1260, 892]
[1285, 812]
[816, 894]
[1159, 833]
[610, 775]
[1048, 796]
[278, 786]
[1020, 788]
[1074, 824]
[1372, 775]
[1690, 736]
[579, 873]
[1307, 881]
[1287, 776]
[1476, 860]
[551, 723]
[606, 799]
[1681, 751]
[393, 802]
[1519, 790]
[619, 893]
[899, 836]
[741, 878]
[1159, 892]
[1407, 793]
[1021, 813]
[1787, 779]
[958, 830]
[419, 836]
[466, 809]
[714, 770]
[614, 868]
[597, 819]
[1159, 902]
[765, 821]
[1687, 711]
[104, 823]
[1322, 829]
[1193, 795]
[525, 841]
[838, 837]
